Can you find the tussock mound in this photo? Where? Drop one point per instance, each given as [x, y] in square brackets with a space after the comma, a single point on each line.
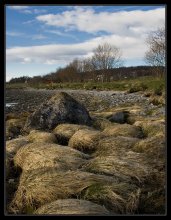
[100, 123]
[119, 198]
[154, 149]
[129, 167]
[72, 207]
[38, 187]
[13, 127]
[13, 145]
[61, 108]
[150, 144]
[115, 145]
[123, 130]
[64, 132]
[85, 140]
[40, 136]
[157, 100]
[44, 155]
[151, 128]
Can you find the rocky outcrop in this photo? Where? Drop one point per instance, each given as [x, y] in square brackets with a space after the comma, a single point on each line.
[61, 108]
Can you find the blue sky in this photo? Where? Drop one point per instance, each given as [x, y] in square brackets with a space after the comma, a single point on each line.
[40, 39]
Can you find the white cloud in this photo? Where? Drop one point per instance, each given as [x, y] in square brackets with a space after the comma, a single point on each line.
[38, 11]
[60, 33]
[126, 30]
[56, 53]
[38, 37]
[122, 22]
[27, 9]
[18, 7]
[14, 34]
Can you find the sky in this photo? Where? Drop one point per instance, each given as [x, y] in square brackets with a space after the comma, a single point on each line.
[40, 39]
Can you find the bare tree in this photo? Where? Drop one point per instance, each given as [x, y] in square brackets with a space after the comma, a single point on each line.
[155, 56]
[105, 57]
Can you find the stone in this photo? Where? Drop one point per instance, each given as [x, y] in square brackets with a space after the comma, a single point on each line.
[61, 108]
[118, 117]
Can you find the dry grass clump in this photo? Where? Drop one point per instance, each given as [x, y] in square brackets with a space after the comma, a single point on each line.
[64, 132]
[153, 196]
[154, 150]
[126, 130]
[11, 116]
[150, 144]
[44, 155]
[72, 207]
[119, 198]
[13, 127]
[103, 114]
[115, 145]
[13, 145]
[41, 186]
[85, 140]
[153, 202]
[128, 167]
[100, 123]
[157, 100]
[151, 128]
[41, 136]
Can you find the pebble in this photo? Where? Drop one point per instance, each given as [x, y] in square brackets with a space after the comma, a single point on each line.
[93, 100]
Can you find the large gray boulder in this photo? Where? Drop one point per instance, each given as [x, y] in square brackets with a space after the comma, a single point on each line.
[61, 108]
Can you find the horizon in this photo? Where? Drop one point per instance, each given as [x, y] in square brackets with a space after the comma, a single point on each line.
[41, 39]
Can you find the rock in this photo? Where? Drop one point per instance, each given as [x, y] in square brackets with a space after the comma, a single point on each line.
[61, 108]
[118, 117]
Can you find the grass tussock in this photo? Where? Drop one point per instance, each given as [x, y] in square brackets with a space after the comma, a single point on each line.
[115, 145]
[120, 198]
[12, 146]
[126, 130]
[85, 140]
[150, 144]
[100, 123]
[72, 207]
[44, 155]
[14, 127]
[64, 132]
[129, 167]
[41, 136]
[151, 128]
[157, 100]
[42, 186]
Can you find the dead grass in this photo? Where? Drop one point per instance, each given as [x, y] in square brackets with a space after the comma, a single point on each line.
[72, 207]
[41, 136]
[118, 198]
[100, 123]
[14, 126]
[12, 146]
[115, 145]
[64, 132]
[149, 144]
[126, 130]
[129, 167]
[85, 140]
[157, 100]
[38, 187]
[151, 127]
[45, 155]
